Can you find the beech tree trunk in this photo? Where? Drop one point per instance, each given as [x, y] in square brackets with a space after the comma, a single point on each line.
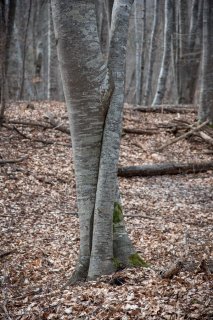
[168, 27]
[152, 53]
[2, 57]
[140, 38]
[52, 59]
[94, 93]
[206, 93]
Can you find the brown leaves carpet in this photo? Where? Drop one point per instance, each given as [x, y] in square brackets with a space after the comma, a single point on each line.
[39, 229]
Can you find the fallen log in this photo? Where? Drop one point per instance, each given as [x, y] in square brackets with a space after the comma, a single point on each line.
[166, 109]
[164, 168]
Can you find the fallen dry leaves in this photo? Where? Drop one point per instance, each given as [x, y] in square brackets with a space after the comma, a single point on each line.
[39, 228]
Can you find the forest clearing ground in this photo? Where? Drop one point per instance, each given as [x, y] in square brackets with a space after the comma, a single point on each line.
[37, 202]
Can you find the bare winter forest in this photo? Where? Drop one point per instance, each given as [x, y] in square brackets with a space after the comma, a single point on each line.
[106, 145]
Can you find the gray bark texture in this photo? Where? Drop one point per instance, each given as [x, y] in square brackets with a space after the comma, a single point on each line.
[168, 28]
[152, 53]
[206, 94]
[94, 92]
[2, 57]
[140, 40]
[31, 63]
[103, 20]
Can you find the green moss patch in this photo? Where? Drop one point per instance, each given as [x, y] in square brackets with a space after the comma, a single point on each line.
[116, 263]
[136, 261]
[117, 213]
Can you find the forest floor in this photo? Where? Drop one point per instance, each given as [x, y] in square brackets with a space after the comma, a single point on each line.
[171, 219]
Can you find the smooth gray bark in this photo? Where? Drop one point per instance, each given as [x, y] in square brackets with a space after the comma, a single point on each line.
[168, 27]
[24, 51]
[140, 38]
[102, 247]
[95, 122]
[2, 58]
[206, 93]
[152, 53]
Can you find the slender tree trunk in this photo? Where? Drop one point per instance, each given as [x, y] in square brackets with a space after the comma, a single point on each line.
[140, 37]
[24, 52]
[194, 48]
[52, 93]
[2, 58]
[194, 23]
[95, 122]
[152, 53]
[206, 93]
[183, 53]
[161, 85]
[9, 31]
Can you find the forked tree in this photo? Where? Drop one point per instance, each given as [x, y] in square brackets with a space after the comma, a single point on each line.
[94, 93]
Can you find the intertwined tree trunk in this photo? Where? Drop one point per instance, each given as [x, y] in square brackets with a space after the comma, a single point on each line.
[94, 93]
[206, 94]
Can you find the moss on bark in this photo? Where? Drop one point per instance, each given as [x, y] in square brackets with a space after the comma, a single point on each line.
[117, 213]
[136, 261]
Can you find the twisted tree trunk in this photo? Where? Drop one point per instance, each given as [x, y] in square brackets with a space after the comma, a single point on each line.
[94, 93]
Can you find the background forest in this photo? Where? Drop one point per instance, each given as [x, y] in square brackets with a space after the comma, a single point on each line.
[164, 171]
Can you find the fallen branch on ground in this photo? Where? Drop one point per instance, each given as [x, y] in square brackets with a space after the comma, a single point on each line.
[138, 216]
[4, 161]
[60, 127]
[7, 253]
[172, 270]
[206, 137]
[164, 168]
[204, 266]
[165, 109]
[41, 140]
[185, 135]
[140, 131]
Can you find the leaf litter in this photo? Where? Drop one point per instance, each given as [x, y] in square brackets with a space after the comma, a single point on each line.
[39, 225]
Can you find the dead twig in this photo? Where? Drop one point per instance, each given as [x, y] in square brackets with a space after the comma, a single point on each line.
[138, 216]
[7, 253]
[140, 131]
[48, 142]
[52, 125]
[5, 161]
[183, 136]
